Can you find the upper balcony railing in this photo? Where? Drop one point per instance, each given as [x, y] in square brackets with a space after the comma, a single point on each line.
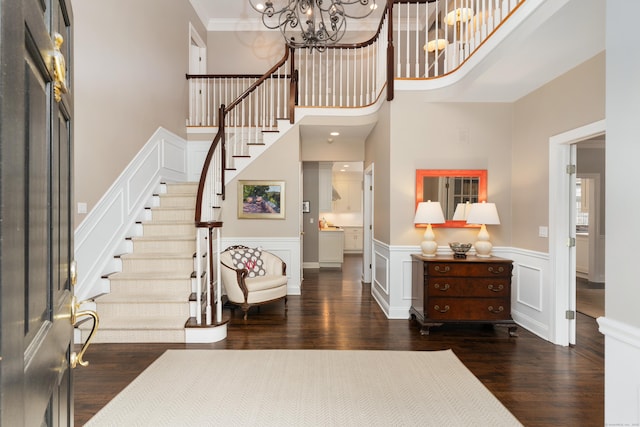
[435, 38]
[415, 40]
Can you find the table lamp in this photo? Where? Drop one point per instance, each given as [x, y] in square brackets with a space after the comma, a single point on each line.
[429, 213]
[483, 213]
[462, 211]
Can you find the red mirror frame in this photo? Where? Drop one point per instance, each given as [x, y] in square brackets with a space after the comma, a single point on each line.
[431, 173]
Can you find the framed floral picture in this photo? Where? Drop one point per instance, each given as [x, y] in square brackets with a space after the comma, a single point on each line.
[261, 199]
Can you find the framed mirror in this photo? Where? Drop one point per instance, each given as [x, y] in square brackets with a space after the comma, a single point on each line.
[453, 188]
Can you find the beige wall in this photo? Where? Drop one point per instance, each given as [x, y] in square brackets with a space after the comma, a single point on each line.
[568, 102]
[448, 136]
[130, 61]
[281, 162]
[243, 51]
[377, 148]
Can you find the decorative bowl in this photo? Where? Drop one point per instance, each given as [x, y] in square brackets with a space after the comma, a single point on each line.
[460, 249]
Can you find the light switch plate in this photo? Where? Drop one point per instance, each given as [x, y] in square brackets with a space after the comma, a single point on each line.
[82, 208]
[543, 231]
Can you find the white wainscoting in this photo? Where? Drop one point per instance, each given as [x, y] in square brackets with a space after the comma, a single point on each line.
[530, 292]
[287, 248]
[197, 153]
[101, 235]
[391, 281]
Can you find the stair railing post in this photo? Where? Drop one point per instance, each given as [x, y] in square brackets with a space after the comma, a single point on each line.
[293, 86]
[218, 291]
[390, 52]
[223, 147]
[210, 279]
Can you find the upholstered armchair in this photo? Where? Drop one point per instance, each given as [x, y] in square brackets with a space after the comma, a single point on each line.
[252, 277]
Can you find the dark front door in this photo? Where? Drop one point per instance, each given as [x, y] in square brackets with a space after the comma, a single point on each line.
[36, 245]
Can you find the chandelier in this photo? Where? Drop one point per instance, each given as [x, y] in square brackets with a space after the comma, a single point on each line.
[313, 24]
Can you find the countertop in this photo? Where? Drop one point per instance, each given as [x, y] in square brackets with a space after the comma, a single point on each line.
[331, 229]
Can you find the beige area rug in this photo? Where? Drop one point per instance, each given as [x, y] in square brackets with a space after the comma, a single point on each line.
[590, 302]
[305, 388]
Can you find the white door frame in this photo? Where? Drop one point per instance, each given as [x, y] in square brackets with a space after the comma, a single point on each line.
[195, 39]
[560, 260]
[367, 253]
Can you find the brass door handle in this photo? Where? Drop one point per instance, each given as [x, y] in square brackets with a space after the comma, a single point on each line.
[73, 272]
[59, 68]
[76, 359]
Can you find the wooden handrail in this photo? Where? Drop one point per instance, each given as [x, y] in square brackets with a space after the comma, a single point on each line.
[205, 168]
[233, 76]
[219, 138]
[258, 82]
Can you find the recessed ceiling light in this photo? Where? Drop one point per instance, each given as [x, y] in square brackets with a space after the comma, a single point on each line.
[335, 133]
[345, 166]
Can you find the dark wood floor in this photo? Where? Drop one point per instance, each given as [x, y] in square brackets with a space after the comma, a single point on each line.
[540, 383]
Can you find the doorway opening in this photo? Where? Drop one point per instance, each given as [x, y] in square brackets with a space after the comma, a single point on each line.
[562, 226]
[590, 227]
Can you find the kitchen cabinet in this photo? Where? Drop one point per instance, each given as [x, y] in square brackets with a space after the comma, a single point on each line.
[331, 248]
[349, 187]
[353, 239]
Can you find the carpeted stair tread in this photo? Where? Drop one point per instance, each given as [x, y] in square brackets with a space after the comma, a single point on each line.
[137, 297]
[149, 298]
[133, 323]
[159, 276]
[167, 237]
[157, 255]
[169, 222]
[138, 336]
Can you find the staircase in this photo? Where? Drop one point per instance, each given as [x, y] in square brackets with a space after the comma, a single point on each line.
[149, 298]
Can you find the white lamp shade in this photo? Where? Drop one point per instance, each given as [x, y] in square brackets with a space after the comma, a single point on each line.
[483, 213]
[462, 211]
[429, 213]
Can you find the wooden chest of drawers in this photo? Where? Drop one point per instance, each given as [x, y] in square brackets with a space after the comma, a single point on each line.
[447, 289]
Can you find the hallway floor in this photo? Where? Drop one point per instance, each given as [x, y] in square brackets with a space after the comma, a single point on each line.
[540, 383]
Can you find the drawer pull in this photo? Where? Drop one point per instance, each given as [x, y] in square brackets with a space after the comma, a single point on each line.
[443, 310]
[442, 288]
[497, 288]
[496, 311]
[442, 269]
[496, 270]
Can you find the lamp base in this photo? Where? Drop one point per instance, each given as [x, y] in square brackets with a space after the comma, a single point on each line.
[483, 245]
[429, 248]
[483, 248]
